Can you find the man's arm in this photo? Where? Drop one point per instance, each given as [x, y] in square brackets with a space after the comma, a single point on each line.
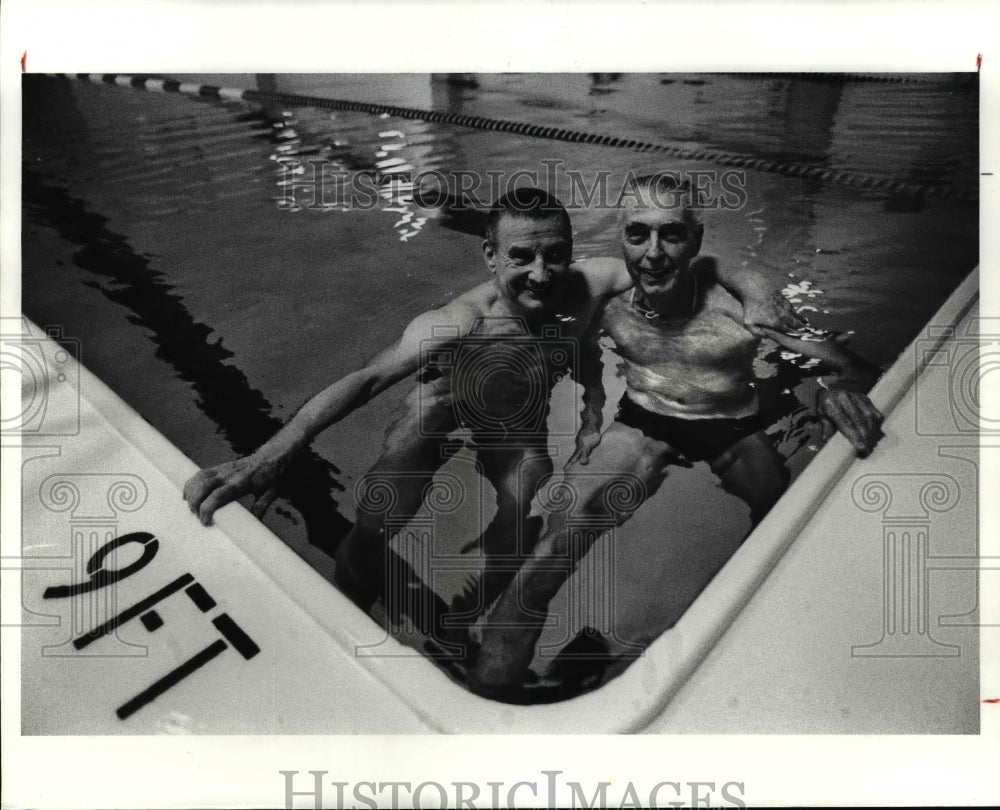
[592, 379]
[763, 303]
[843, 402]
[764, 307]
[211, 489]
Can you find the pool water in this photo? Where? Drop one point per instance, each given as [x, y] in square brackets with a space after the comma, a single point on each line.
[162, 232]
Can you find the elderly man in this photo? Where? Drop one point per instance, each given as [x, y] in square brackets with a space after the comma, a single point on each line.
[515, 324]
[690, 396]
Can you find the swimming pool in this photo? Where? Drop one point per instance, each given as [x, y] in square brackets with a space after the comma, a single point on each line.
[156, 231]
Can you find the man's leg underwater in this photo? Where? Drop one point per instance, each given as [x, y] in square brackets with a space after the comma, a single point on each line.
[625, 469]
[516, 474]
[754, 471]
[392, 489]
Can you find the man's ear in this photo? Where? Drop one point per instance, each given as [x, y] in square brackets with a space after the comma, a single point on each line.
[699, 233]
[489, 255]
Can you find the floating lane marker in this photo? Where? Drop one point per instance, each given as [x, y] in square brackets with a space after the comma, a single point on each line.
[877, 78]
[864, 181]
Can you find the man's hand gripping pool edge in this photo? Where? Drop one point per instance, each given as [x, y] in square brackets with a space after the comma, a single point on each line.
[842, 404]
[853, 414]
[209, 490]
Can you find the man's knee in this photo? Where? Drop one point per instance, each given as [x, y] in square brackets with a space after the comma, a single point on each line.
[517, 477]
[652, 461]
[359, 565]
[771, 486]
[369, 525]
[553, 551]
[623, 493]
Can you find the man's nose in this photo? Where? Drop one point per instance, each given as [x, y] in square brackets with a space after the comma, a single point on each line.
[539, 270]
[654, 250]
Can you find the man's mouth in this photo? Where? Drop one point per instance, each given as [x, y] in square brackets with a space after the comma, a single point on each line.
[658, 272]
[536, 290]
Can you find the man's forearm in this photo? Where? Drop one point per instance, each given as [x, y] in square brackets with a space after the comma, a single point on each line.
[848, 369]
[326, 408]
[591, 378]
[592, 414]
[856, 374]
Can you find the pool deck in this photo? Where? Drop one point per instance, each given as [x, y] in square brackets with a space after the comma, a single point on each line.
[869, 623]
[851, 609]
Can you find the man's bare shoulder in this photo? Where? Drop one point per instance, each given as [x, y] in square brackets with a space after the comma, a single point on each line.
[474, 303]
[616, 307]
[458, 316]
[605, 275]
[714, 296]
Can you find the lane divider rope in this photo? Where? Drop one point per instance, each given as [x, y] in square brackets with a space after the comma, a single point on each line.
[842, 177]
[961, 81]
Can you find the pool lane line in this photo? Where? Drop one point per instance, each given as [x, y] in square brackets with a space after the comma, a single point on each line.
[863, 78]
[843, 177]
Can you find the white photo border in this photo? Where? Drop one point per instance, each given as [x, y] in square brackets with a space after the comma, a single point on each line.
[158, 36]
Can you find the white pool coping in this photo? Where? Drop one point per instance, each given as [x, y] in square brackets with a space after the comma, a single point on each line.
[628, 703]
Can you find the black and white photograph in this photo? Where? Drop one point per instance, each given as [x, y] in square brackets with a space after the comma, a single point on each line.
[360, 404]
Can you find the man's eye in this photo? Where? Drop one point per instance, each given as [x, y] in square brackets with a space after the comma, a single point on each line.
[673, 235]
[557, 255]
[636, 235]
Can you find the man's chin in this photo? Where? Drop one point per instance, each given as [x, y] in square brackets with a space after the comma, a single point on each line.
[658, 284]
[533, 301]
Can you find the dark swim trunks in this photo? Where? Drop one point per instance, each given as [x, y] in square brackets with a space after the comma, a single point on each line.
[695, 439]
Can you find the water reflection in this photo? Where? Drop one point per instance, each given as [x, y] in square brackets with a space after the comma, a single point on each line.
[171, 205]
[321, 166]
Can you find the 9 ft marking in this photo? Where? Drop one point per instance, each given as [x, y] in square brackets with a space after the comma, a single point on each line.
[144, 610]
